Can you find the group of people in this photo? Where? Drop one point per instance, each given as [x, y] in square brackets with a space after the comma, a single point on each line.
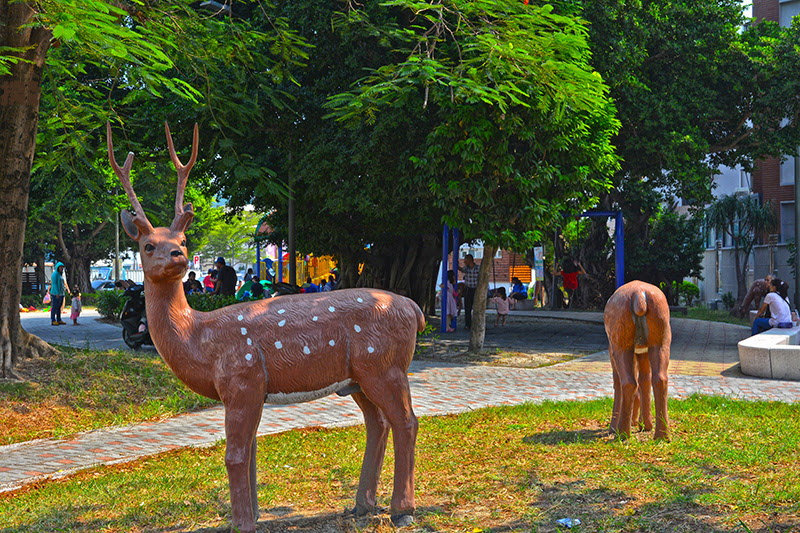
[456, 293]
[221, 279]
[776, 301]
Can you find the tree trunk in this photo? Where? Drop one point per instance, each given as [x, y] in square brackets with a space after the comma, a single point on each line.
[408, 267]
[19, 115]
[477, 332]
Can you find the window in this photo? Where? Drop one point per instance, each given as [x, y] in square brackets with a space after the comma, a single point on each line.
[787, 171]
[789, 9]
[787, 221]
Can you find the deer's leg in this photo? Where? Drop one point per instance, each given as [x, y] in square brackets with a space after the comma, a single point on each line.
[659, 365]
[377, 434]
[617, 392]
[242, 416]
[392, 395]
[627, 388]
[646, 417]
[253, 475]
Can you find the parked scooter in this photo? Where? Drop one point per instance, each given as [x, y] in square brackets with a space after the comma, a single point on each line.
[133, 317]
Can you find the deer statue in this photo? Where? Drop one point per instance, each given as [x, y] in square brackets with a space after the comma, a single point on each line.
[637, 324]
[288, 349]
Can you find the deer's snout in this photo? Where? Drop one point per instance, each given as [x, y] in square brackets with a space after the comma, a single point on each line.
[176, 253]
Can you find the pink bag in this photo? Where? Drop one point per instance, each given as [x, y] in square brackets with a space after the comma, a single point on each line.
[46, 299]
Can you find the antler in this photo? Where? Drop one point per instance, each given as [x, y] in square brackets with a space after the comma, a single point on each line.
[140, 219]
[183, 214]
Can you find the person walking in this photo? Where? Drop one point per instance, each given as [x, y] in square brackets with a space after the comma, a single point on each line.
[75, 307]
[58, 289]
[501, 303]
[470, 270]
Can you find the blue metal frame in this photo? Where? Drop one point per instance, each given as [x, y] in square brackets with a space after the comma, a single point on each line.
[619, 241]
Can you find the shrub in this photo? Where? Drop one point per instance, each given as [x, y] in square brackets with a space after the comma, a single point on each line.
[728, 300]
[209, 302]
[689, 291]
[109, 303]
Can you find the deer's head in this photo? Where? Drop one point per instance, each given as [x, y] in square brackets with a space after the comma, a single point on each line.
[163, 250]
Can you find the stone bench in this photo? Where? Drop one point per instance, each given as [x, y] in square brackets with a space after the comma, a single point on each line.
[773, 354]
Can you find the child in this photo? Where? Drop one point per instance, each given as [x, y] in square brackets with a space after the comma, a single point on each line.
[75, 308]
[449, 292]
[501, 302]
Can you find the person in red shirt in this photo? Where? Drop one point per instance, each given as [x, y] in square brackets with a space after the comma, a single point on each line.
[571, 268]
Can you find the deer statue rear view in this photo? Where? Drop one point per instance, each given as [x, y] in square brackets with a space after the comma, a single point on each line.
[637, 324]
[289, 349]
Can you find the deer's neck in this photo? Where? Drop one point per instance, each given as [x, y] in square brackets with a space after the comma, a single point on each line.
[173, 328]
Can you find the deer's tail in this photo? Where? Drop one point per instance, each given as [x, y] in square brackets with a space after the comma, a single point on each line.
[639, 312]
[420, 317]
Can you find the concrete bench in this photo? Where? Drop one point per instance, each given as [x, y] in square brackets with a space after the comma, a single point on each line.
[682, 309]
[773, 354]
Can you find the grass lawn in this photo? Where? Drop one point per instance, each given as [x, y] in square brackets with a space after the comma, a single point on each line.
[713, 315]
[80, 390]
[731, 466]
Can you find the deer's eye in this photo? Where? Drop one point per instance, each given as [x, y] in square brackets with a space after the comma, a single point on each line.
[149, 247]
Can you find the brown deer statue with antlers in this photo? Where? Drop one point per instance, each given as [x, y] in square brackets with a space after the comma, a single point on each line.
[637, 324]
[289, 349]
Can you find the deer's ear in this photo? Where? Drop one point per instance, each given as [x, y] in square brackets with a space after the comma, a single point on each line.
[133, 225]
[184, 220]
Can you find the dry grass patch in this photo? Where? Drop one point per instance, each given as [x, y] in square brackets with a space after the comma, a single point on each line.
[81, 390]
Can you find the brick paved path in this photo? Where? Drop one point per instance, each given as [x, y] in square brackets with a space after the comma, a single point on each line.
[702, 363]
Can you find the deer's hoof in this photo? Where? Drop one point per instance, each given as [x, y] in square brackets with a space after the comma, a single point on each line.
[402, 520]
[361, 510]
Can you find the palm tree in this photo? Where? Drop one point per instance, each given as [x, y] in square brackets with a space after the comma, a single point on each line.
[745, 220]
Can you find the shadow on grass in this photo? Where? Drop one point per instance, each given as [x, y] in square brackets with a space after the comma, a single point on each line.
[567, 437]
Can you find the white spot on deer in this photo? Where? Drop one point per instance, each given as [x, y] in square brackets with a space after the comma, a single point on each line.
[281, 311]
[282, 323]
[370, 349]
[240, 317]
[244, 331]
[248, 356]
[249, 342]
[306, 350]
[332, 342]
[315, 318]
[278, 345]
[357, 328]
[331, 309]
[359, 300]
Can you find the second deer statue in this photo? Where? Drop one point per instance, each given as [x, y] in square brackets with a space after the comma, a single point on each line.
[637, 324]
[289, 349]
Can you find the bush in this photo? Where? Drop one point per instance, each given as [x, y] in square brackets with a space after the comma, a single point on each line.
[689, 291]
[109, 303]
[728, 300]
[209, 302]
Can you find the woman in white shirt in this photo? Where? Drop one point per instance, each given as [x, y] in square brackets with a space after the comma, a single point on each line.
[778, 303]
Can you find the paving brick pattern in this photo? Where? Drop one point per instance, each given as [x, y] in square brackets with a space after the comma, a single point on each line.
[702, 350]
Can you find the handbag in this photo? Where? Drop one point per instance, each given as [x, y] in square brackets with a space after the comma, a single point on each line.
[46, 299]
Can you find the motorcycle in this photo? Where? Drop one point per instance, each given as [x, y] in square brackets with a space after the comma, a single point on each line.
[133, 316]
